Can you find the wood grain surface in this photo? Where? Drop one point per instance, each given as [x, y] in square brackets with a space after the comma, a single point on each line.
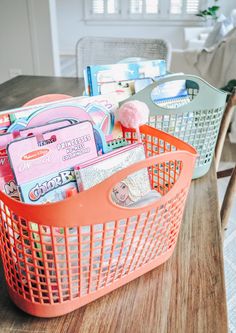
[17, 91]
[184, 295]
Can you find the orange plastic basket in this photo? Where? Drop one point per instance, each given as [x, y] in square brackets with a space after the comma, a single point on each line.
[58, 257]
[47, 99]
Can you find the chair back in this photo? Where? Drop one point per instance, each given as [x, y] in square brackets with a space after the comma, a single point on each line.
[110, 50]
[228, 201]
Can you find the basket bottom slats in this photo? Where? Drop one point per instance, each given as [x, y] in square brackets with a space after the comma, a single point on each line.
[61, 308]
[51, 266]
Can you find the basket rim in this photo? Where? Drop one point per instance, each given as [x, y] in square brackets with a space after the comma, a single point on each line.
[95, 204]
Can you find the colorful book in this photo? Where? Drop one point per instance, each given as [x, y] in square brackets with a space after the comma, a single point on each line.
[100, 109]
[43, 165]
[100, 76]
[50, 188]
[7, 181]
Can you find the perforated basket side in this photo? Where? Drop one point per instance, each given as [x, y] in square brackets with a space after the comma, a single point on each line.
[60, 256]
[196, 123]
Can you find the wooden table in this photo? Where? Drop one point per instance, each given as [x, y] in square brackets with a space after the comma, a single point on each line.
[184, 295]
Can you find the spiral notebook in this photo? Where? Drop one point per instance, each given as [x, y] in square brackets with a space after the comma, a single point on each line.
[171, 95]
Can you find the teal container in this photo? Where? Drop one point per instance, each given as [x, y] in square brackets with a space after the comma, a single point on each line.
[196, 121]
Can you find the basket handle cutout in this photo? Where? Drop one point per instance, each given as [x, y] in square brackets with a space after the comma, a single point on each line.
[208, 96]
[94, 205]
[185, 157]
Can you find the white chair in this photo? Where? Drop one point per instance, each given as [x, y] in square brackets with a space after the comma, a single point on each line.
[228, 200]
[110, 50]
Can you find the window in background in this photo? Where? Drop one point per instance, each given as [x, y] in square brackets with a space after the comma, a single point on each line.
[142, 9]
[112, 6]
[98, 7]
[102, 8]
[185, 6]
[152, 6]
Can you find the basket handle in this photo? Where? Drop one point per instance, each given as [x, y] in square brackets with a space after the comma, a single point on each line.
[174, 77]
[145, 94]
[95, 205]
[187, 158]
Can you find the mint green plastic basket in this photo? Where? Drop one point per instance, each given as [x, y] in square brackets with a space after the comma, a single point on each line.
[196, 123]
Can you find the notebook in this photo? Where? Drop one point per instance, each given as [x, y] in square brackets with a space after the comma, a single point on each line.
[171, 94]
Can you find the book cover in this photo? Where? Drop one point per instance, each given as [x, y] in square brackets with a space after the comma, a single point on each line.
[130, 189]
[100, 109]
[171, 94]
[7, 181]
[100, 75]
[60, 149]
[50, 188]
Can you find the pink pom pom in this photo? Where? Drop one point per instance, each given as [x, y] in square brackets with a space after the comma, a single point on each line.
[133, 114]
